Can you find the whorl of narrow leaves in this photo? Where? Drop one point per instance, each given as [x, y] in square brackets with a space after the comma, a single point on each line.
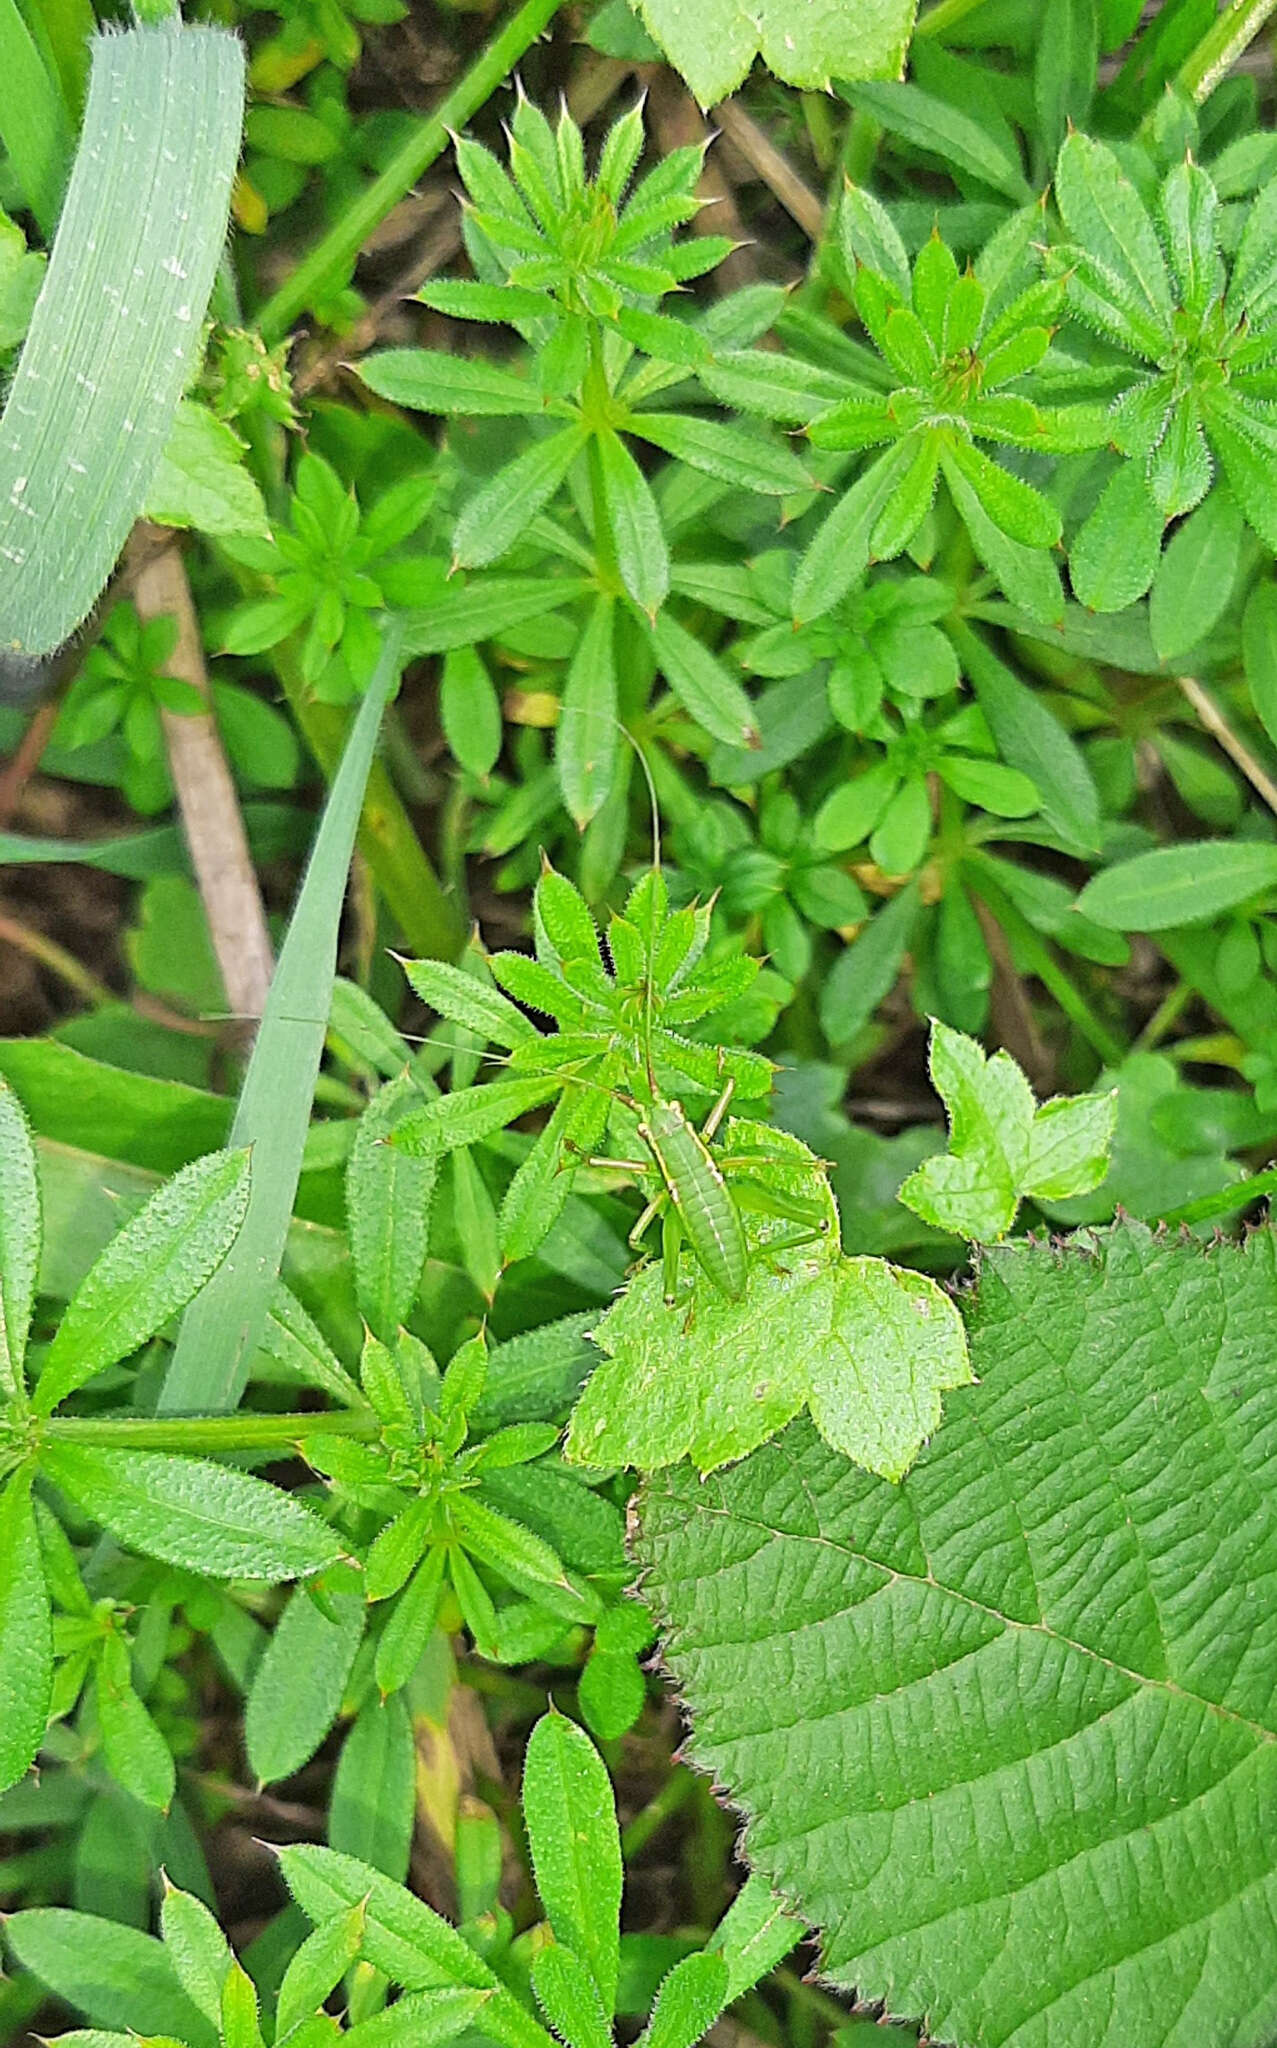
[116, 331]
[1007, 1732]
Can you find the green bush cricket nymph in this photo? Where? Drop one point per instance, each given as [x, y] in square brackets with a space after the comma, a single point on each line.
[621, 1044]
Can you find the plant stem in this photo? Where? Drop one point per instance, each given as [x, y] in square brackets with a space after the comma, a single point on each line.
[209, 1433]
[1221, 46]
[945, 16]
[1225, 1201]
[1215, 723]
[207, 800]
[328, 260]
[1038, 959]
[672, 1797]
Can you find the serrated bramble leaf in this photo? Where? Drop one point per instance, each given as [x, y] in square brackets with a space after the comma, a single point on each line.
[714, 45]
[1076, 1616]
[427, 380]
[150, 1270]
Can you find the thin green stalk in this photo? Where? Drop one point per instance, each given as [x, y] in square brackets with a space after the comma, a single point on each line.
[1221, 46]
[209, 1434]
[1168, 1012]
[1225, 1201]
[332, 254]
[672, 1797]
[940, 19]
[1039, 960]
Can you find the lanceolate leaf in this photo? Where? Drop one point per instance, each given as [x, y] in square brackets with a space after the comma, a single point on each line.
[298, 1685]
[589, 733]
[115, 1975]
[954, 1728]
[403, 1937]
[203, 1517]
[1184, 884]
[148, 1272]
[19, 1238]
[388, 1200]
[26, 1643]
[570, 1812]
[116, 331]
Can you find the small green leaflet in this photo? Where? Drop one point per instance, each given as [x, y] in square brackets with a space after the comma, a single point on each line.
[570, 1812]
[26, 1644]
[1177, 885]
[869, 1349]
[1001, 1145]
[713, 43]
[148, 1272]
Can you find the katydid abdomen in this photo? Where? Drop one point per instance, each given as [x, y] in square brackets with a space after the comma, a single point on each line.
[699, 1196]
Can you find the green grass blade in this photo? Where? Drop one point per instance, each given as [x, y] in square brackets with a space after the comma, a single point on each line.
[63, 30]
[116, 331]
[223, 1326]
[35, 127]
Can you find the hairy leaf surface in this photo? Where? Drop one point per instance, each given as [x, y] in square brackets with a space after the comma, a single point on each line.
[1007, 1731]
